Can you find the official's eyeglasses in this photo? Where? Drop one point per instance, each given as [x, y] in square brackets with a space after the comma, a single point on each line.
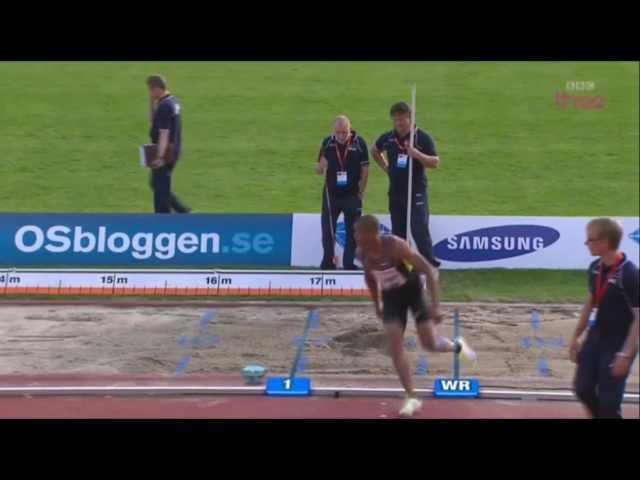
[591, 240]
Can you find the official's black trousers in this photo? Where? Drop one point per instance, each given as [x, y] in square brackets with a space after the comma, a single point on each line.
[163, 199]
[419, 222]
[351, 207]
[594, 385]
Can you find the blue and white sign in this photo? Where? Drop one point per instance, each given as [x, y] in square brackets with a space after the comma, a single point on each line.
[456, 388]
[472, 242]
[288, 387]
[144, 240]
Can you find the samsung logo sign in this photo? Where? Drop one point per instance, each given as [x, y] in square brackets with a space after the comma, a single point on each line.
[496, 243]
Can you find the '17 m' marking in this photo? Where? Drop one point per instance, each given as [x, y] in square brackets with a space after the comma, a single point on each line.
[327, 281]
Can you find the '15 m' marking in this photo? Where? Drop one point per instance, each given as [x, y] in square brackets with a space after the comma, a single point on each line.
[112, 280]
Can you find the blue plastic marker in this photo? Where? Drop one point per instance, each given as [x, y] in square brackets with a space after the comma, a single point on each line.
[205, 341]
[422, 367]
[456, 335]
[553, 342]
[536, 321]
[543, 367]
[207, 318]
[197, 341]
[302, 364]
[455, 387]
[313, 320]
[291, 386]
[183, 364]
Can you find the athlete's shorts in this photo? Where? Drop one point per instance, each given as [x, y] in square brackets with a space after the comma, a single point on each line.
[396, 303]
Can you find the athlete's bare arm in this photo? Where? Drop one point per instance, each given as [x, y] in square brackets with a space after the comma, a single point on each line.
[372, 284]
[403, 251]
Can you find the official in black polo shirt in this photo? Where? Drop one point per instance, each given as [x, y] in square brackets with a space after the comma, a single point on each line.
[395, 144]
[344, 160]
[166, 132]
[610, 317]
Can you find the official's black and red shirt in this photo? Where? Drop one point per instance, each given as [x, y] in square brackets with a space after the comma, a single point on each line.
[622, 294]
[393, 145]
[167, 116]
[349, 157]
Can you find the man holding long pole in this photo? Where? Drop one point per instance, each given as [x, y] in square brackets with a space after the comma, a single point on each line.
[409, 151]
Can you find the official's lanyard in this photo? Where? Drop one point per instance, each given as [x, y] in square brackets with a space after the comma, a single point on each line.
[342, 160]
[601, 287]
[401, 148]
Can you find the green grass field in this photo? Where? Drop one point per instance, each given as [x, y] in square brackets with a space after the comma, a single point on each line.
[70, 133]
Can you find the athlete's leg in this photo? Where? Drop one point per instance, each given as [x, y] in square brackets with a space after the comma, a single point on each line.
[428, 331]
[395, 336]
[431, 341]
[395, 310]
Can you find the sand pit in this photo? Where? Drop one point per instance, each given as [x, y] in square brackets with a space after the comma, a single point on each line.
[146, 340]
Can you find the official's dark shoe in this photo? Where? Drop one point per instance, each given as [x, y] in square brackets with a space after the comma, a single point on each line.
[185, 210]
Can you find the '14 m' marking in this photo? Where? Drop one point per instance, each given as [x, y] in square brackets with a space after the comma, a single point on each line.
[9, 279]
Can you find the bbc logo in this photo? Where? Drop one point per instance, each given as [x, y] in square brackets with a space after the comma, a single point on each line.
[456, 388]
[573, 85]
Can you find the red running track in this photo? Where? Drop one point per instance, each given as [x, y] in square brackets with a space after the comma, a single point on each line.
[252, 406]
[243, 407]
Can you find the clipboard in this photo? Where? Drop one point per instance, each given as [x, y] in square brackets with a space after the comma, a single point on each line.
[149, 151]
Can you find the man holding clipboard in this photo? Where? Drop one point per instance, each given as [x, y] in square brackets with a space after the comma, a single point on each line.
[163, 153]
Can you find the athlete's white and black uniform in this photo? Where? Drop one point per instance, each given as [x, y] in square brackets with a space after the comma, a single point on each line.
[399, 282]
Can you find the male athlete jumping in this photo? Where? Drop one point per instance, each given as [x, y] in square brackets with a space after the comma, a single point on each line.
[391, 269]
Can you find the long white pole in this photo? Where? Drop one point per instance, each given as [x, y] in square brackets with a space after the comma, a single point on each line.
[410, 182]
